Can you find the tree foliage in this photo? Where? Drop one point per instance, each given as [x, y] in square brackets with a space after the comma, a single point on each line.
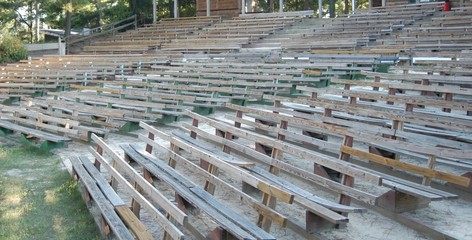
[19, 17]
[11, 49]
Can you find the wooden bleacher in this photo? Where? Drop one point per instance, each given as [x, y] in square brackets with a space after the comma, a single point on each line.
[149, 38]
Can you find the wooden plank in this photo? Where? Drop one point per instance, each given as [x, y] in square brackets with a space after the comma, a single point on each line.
[173, 231]
[136, 226]
[156, 196]
[34, 132]
[233, 171]
[106, 209]
[427, 172]
[183, 187]
[104, 186]
[324, 182]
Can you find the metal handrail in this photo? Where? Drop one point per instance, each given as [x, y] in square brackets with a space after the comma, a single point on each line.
[105, 29]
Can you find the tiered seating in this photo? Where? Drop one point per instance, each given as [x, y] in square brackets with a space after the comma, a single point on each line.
[350, 32]
[448, 31]
[149, 38]
[116, 218]
[237, 168]
[321, 134]
[229, 35]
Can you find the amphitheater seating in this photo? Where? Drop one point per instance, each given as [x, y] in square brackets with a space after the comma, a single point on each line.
[447, 32]
[309, 156]
[52, 131]
[229, 35]
[150, 37]
[316, 128]
[42, 122]
[212, 159]
[188, 193]
[113, 208]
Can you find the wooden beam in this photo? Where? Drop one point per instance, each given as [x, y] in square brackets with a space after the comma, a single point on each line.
[427, 172]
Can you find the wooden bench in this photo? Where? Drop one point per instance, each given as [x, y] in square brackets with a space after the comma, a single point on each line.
[408, 195]
[115, 217]
[303, 198]
[144, 196]
[35, 127]
[404, 143]
[189, 195]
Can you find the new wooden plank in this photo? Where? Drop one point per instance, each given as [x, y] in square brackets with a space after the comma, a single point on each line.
[136, 226]
[427, 172]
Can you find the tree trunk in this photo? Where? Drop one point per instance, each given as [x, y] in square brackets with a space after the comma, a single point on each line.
[332, 14]
[68, 23]
[346, 6]
[99, 11]
[36, 20]
[30, 21]
[306, 5]
[271, 5]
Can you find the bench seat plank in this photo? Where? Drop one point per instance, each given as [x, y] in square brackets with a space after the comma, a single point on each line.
[31, 131]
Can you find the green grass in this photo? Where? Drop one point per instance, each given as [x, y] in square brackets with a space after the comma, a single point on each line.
[39, 200]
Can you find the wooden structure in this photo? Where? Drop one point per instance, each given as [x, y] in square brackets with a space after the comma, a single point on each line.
[311, 156]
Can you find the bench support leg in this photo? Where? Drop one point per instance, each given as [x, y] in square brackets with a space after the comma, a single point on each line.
[129, 127]
[469, 188]
[135, 206]
[220, 234]
[5, 131]
[315, 223]
[401, 202]
[167, 119]
[104, 227]
[183, 204]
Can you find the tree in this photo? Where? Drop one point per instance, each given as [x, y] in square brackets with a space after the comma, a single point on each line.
[20, 18]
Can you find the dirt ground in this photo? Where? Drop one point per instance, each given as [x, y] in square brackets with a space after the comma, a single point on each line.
[450, 216]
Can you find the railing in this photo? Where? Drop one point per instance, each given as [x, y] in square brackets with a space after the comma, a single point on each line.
[111, 28]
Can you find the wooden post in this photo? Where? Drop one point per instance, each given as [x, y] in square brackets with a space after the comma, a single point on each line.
[176, 8]
[345, 179]
[277, 154]
[208, 7]
[447, 97]
[320, 8]
[154, 9]
[431, 164]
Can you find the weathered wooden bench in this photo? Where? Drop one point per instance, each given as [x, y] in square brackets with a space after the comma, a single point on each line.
[189, 195]
[404, 196]
[405, 140]
[316, 208]
[35, 127]
[115, 217]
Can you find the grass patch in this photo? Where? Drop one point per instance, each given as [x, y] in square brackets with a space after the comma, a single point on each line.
[39, 200]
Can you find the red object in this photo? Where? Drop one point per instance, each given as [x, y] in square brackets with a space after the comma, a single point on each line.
[447, 6]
